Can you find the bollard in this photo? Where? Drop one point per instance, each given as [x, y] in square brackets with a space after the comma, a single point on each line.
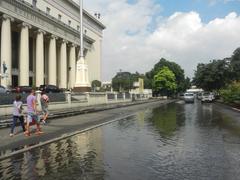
[124, 96]
[106, 98]
[68, 97]
[88, 97]
[115, 97]
[38, 96]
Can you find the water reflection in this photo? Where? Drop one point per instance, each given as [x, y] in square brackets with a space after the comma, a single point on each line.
[79, 156]
[176, 141]
[165, 120]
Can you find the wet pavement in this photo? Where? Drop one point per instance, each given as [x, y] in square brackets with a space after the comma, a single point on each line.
[174, 141]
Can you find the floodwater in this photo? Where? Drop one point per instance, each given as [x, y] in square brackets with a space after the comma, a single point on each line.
[175, 141]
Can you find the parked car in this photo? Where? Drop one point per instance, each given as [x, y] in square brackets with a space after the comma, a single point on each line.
[189, 97]
[199, 96]
[181, 96]
[22, 89]
[4, 90]
[207, 97]
[50, 89]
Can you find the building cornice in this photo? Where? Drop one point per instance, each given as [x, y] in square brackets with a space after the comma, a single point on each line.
[24, 12]
[88, 15]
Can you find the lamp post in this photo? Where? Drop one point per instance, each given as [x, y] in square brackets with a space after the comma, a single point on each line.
[82, 81]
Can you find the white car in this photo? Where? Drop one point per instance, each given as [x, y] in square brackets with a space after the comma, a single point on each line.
[189, 97]
[207, 97]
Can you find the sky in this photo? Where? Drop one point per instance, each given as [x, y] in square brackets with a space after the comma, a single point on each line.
[140, 32]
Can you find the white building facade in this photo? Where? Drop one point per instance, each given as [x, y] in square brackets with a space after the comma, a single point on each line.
[40, 43]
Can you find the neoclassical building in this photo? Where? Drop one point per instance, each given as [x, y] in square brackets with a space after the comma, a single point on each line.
[40, 42]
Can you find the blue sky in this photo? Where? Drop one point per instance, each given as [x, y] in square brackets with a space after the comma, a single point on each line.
[207, 9]
[140, 32]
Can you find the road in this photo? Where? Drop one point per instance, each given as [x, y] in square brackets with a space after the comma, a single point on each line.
[160, 141]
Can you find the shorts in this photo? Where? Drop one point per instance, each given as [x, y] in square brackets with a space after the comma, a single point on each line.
[45, 110]
[32, 116]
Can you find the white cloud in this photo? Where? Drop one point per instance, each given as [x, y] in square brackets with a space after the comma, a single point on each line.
[188, 41]
[132, 45]
[213, 2]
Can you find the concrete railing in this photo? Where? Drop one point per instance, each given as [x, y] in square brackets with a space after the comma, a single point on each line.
[73, 100]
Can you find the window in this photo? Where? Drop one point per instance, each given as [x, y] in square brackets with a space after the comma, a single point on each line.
[48, 10]
[78, 28]
[59, 17]
[69, 22]
[34, 3]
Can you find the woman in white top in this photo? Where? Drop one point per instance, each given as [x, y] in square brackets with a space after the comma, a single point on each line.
[17, 114]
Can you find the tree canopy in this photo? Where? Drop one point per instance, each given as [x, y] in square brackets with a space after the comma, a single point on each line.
[218, 74]
[212, 76]
[123, 81]
[165, 81]
[182, 83]
[235, 64]
[96, 85]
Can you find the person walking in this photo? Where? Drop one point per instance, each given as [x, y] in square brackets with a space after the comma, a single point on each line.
[32, 114]
[44, 104]
[17, 114]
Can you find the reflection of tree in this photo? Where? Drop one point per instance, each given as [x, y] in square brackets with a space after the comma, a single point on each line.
[165, 120]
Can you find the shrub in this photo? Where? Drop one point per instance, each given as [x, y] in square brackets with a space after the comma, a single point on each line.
[231, 94]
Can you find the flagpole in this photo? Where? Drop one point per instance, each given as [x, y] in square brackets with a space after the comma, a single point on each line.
[82, 82]
[81, 30]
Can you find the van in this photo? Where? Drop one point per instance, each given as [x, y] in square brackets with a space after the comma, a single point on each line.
[189, 97]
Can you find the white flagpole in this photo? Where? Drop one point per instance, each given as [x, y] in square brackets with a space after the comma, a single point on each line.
[82, 81]
[81, 29]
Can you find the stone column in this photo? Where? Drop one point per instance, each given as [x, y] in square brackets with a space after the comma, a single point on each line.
[72, 64]
[6, 49]
[24, 55]
[63, 65]
[52, 61]
[39, 58]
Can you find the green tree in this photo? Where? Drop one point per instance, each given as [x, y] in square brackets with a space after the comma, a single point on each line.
[122, 81]
[164, 82]
[96, 84]
[235, 64]
[213, 76]
[231, 94]
[187, 83]
[174, 67]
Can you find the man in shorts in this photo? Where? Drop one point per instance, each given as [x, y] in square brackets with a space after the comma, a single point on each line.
[32, 114]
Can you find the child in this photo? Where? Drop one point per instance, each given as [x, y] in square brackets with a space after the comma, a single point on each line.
[44, 104]
[17, 114]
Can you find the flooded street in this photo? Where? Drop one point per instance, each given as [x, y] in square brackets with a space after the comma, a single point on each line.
[175, 141]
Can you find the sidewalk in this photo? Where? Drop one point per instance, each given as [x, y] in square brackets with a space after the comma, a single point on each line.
[6, 121]
[71, 121]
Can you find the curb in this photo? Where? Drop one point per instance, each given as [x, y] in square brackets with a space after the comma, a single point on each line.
[228, 106]
[62, 137]
[90, 109]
